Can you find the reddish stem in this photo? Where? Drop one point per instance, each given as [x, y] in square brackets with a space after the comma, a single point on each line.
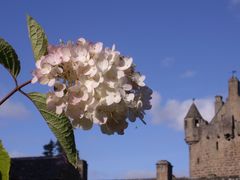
[13, 91]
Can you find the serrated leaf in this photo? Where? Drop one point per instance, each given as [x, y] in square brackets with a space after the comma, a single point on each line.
[38, 38]
[60, 126]
[9, 58]
[4, 163]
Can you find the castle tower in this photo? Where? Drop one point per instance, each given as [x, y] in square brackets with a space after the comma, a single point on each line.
[214, 146]
[233, 99]
[192, 123]
[233, 88]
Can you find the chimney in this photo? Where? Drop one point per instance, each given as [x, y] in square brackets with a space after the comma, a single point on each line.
[233, 88]
[218, 103]
[164, 170]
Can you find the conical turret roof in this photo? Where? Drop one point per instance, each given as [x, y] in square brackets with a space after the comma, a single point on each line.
[193, 112]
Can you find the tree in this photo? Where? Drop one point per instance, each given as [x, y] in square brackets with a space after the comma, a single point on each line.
[49, 149]
[53, 149]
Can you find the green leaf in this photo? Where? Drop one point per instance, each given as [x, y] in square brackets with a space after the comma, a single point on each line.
[4, 163]
[9, 58]
[60, 126]
[38, 38]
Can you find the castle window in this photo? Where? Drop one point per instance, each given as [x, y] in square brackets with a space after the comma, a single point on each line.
[198, 161]
[216, 145]
[196, 123]
[227, 136]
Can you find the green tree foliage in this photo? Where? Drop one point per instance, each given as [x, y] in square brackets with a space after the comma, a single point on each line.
[4, 163]
[53, 149]
[49, 149]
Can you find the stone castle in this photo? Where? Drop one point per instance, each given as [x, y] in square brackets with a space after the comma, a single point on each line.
[214, 147]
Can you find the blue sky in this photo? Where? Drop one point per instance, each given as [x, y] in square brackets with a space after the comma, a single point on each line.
[187, 49]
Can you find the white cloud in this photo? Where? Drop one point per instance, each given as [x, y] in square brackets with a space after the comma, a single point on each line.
[234, 7]
[13, 110]
[188, 74]
[234, 2]
[167, 61]
[174, 111]
[16, 154]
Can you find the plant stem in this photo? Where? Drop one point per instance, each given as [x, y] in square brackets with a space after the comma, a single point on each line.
[25, 94]
[17, 88]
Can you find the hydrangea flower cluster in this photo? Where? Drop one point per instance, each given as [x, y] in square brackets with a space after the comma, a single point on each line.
[93, 84]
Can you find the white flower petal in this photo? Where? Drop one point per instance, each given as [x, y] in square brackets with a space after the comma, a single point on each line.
[81, 41]
[51, 82]
[127, 87]
[34, 79]
[109, 100]
[85, 96]
[97, 47]
[91, 62]
[43, 80]
[117, 98]
[66, 54]
[124, 63]
[130, 97]
[90, 85]
[113, 47]
[120, 74]
[38, 64]
[45, 69]
[103, 65]
[91, 72]
[59, 94]
[74, 100]
[53, 59]
[59, 109]
[111, 84]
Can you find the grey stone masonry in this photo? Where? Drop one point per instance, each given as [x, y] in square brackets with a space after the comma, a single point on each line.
[164, 170]
[214, 146]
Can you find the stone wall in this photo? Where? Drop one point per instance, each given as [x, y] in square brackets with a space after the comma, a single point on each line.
[215, 154]
[210, 178]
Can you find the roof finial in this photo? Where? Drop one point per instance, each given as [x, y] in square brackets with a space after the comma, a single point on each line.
[193, 99]
[234, 73]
